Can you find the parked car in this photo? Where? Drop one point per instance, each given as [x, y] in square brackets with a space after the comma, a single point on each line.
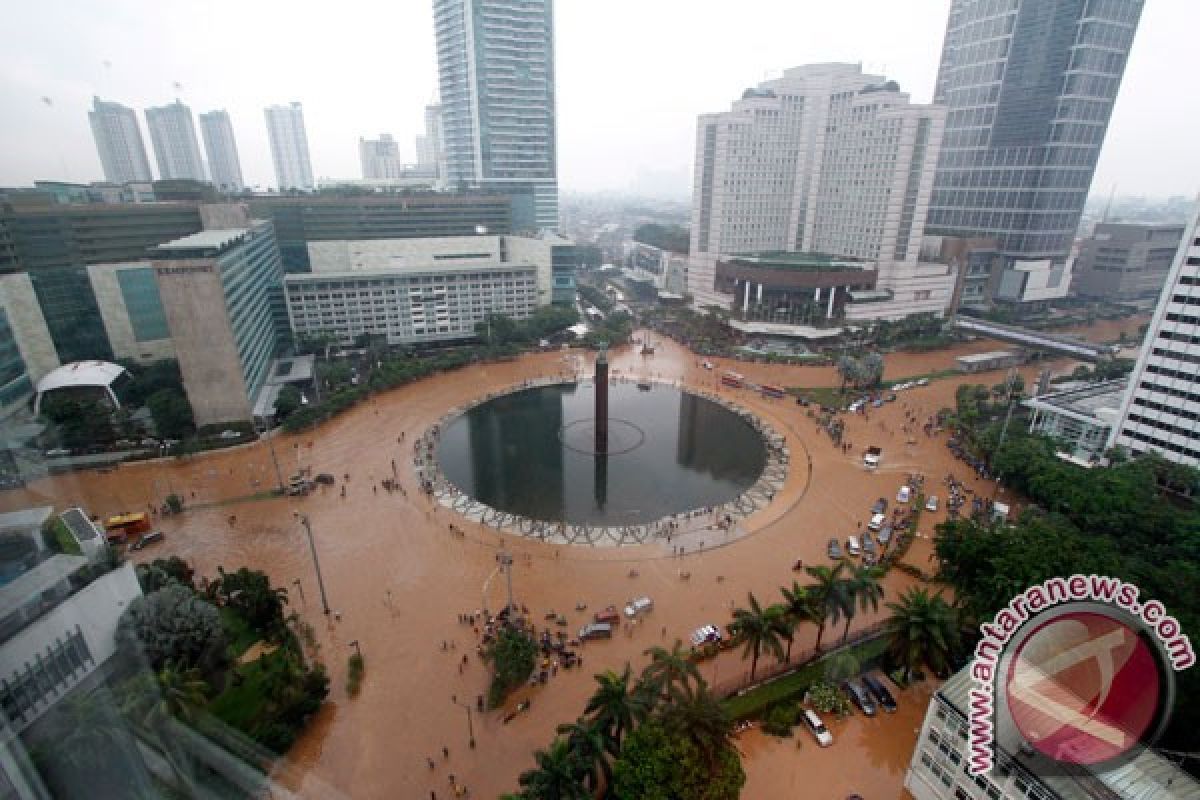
[868, 543]
[885, 533]
[708, 365]
[877, 521]
[638, 605]
[904, 495]
[147, 539]
[877, 402]
[880, 506]
[608, 615]
[922, 381]
[229, 434]
[932, 503]
[891, 397]
[859, 697]
[852, 546]
[819, 731]
[705, 634]
[880, 693]
[835, 549]
[596, 630]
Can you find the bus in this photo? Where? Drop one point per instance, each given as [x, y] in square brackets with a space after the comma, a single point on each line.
[732, 379]
[770, 391]
[123, 526]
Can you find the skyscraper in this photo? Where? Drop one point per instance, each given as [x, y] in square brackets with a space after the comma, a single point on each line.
[429, 145]
[828, 160]
[496, 77]
[289, 146]
[380, 158]
[221, 147]
[176, 148]
[119, 142]
[1162, 408]
[1029, 86]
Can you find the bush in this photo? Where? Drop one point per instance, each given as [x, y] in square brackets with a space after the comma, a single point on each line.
[354, 674]
[512, 655]
[780, 720]
[826, 697]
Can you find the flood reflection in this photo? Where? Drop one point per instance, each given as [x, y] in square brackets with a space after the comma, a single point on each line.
[529, 453]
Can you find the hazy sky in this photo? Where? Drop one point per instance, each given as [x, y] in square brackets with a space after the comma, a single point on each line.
[632, 76]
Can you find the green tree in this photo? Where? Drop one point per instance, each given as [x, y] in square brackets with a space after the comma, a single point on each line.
[614, 708]
[172, 413]
[670, 673]
[830, 595]
[289, 400]
[173, 625]
[250, 594]
[162, 572]
[660, 764]
[512, 655]
[589, 743]
[865, 590]
[922, 630]
[700, 717]
[557, 776]
[758, 629]
[798, 606]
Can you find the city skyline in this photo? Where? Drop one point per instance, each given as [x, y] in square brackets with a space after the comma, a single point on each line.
[619, 129]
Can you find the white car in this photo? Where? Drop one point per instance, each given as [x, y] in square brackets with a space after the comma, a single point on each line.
[637, 606]
[705, 634]
[904, 495]
[922, 381]
[932, 503]
[230, 435]
[877, 521]
[819, 731]
[852, 546]
[708, 365]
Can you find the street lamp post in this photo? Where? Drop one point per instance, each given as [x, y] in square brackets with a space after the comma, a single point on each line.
[316, 562]
[300, 588]
[470, 725]
[266, 433]
[357, 649]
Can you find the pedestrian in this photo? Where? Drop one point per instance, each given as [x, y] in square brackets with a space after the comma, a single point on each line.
[445, 752]
[429, 761]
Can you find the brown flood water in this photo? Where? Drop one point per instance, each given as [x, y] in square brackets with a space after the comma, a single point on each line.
[398, 578]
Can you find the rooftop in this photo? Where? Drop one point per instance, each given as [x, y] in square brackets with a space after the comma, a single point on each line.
[24, 521]
[81, 373]
[783, 260]
[1097, 400]
[205, 240]
[37, 581]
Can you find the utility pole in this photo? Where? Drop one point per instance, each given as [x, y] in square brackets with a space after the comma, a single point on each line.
[316, 562]
[470, 725]
[266, 433]
[505, 560]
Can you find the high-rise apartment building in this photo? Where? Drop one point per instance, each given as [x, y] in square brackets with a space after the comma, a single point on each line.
[176, 149]
[289, 146]
[429, 145]
[119, 142]
[496, 78]
[824, 160]
[1029, 86]
[380, 158]
[1162, 409]
[221, 147]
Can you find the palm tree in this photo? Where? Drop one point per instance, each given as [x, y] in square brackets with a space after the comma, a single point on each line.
[701, 717]
[830, 595]
[590, 745]
[922, 629]
[759, 629]
[557, 775]
[182, 693]
[798, 605]
[670, 672]
[614, 708]
[865, 589]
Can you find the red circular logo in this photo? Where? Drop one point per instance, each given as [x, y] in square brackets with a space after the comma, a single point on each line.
[1083, 688]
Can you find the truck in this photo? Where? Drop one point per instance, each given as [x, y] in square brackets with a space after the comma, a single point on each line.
[872, 457]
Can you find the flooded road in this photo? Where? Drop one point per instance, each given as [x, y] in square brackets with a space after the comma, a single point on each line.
[398, 578]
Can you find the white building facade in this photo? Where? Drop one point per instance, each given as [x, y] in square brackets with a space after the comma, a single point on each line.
[430, 154]
[496, 80]
[1162, 411]
[825, 159]
[289, 146]
[119, 142]
[419, 290]
[221, 147]
[176, 149]
[380, 158]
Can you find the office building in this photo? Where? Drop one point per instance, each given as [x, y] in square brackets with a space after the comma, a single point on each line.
[1079, 419]
[131, 309]
[221, 147]
[939, 767]
[1162, 412]
[1126, 262]
[380, 158]
[26, 349]
[1029, 87]
[176, 149]
[54, 244]
[826, 160]
[429, 145]
[423, 290]
[300, 220]
[289, 147]
[221, 296]
[496, 79]
[119, 142]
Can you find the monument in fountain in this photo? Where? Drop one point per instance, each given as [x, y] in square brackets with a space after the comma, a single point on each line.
[602, 400]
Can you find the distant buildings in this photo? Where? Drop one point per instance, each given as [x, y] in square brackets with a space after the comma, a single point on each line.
[1029, 88]
[289, 146]
[221, 147]
[176, 149]
[496, 79]
[1126, 262]
[1162, 411]
[380, 157]
[430, 154]
[829, 161]
[119, 142]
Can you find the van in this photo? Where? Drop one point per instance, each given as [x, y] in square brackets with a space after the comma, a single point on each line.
[819, 731]
[595, 630]
[608, 615]
[876, 522]
[147, 539]
[852, 546]
[904, 495]
[638, 605]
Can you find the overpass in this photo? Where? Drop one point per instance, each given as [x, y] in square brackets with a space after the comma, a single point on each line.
[1037, 340]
